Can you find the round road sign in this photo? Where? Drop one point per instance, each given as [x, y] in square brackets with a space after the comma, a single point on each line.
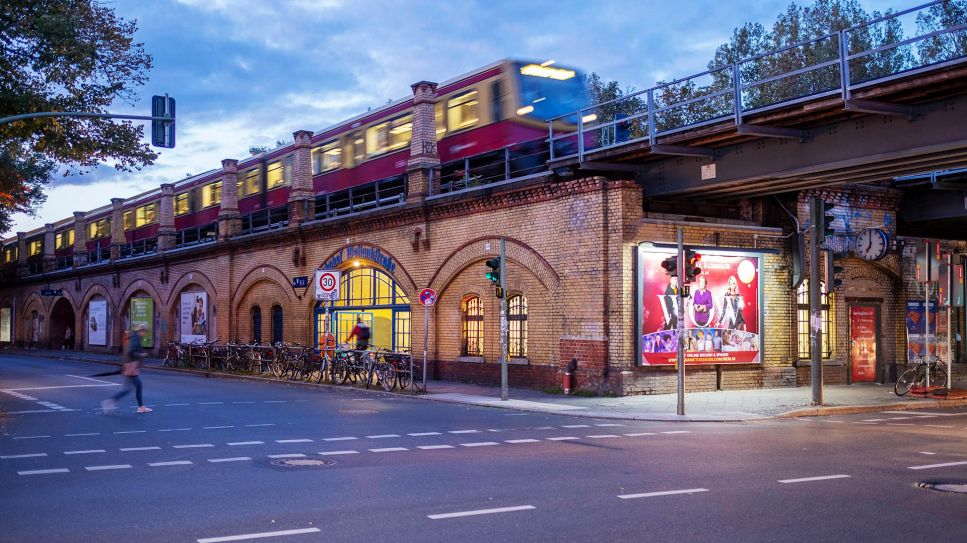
[427, 297]
[328, 282]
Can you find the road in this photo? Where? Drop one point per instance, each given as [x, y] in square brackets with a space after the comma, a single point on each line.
[203, 467]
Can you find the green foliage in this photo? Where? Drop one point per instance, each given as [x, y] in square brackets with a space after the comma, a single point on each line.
[64, 55]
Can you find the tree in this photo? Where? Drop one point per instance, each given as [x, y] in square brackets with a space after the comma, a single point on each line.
[617, 104]
[64, 55]
[942, 46]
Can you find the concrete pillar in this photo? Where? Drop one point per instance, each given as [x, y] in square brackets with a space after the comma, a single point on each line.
[80, 238]
[301, 195]
[229, 219]
[117, 227]
[49, 257]
[166, 218]
[423, 166]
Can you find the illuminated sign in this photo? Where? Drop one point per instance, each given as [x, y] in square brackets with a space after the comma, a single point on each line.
[536, 70]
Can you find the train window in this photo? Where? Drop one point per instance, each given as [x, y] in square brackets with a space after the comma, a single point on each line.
[496, 112]
[356, 145]
[462, 111]
[249, 182]
[99, 229]
[211, 194]
[64, 239]
[35, 247]
[279, 173]
[400, 131]
[441, 127]
[182, 205]
[129, 220]
[144, 215]
[10, 254]
[326, 157]
[377, 139]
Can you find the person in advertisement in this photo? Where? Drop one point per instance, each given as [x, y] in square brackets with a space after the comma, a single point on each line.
[702, 303]
[671, 304]
[732, 312]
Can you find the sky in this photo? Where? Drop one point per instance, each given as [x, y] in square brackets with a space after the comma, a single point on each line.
[251, 72]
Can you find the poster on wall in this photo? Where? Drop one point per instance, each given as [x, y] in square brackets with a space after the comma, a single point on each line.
[722, 314]
[862, 333]
[194, 317]
[916, 321]
[97, 322]
[5, 321]
[142, 313]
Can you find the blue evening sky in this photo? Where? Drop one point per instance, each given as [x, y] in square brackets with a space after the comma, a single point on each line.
[250, 72]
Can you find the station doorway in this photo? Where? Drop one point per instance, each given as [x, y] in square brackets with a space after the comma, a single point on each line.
[61, 319]
[374, 297]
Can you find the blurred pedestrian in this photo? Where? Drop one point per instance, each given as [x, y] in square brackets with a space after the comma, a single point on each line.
[131, 361]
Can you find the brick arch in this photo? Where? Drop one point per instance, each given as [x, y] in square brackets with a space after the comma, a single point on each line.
[241, 325]
[134, 287]
[113, 315]
[94, 290]
[33, 302]
[402, 276]
[264, 273]
[473, 251]
[197, 278]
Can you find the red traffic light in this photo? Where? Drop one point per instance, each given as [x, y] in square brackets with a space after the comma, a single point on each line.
[670, 265]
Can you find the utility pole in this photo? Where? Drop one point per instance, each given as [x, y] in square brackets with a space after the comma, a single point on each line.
[503, 320]
[817, 210]
[680, 298]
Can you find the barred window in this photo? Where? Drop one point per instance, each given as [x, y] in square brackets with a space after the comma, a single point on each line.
[517, 324]
[802, 321]
[472, 327]
[256, 324]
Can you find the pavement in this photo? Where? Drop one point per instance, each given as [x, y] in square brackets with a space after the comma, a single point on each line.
[718, 406]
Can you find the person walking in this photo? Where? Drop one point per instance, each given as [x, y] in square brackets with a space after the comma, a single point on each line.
[361, 333]
[131, 361]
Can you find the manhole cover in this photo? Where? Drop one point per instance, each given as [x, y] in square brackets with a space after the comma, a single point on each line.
[953, 487]
[358, 411]
[303, 463]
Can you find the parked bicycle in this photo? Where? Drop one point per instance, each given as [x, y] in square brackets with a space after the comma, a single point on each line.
[917, 375]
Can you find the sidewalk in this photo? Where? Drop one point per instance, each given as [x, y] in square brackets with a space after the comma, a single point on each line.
[732, 405]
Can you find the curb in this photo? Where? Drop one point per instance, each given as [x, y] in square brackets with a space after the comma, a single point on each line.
[822, 411]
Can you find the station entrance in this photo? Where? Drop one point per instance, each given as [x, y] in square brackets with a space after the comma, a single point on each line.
[371, 295]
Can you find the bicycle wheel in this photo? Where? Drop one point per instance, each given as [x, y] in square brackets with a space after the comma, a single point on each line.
[938, 377]
[323, 368]
[403, 376]
[340, 371]
[170, 359]
[905, 381]
[386, 373]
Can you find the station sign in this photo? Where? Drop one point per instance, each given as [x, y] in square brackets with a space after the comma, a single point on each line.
[327, 285]
[301, 281]
[52, 292]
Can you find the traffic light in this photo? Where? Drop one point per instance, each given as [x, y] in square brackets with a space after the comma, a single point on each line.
[670, 265]
[163, 131]
[692, 271]
[494, 274]
[824, 220]
[832, 270]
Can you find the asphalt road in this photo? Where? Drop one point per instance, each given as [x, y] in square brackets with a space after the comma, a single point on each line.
[202, 467]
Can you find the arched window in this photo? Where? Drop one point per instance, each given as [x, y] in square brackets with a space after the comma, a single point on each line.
[276, 323]
[802, 321]
[256, 324]
[517, 323]
[472, 327]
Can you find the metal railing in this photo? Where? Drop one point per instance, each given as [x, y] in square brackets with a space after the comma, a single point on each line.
[836, 64]
[206, 233]
[65, 262]
[383, 193]
[138, 248]
[99, 254]
[511, 162]
[265, 219]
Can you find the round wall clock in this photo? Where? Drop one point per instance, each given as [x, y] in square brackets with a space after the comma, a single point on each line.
[872, 244]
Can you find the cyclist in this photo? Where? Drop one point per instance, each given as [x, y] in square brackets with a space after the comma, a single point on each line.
[362, 333]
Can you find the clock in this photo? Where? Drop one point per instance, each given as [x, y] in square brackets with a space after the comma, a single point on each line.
[871, 244]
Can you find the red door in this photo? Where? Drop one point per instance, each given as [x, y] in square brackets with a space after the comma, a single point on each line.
[862, 333]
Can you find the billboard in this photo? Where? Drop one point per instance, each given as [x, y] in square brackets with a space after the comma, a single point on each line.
[5, 324]
[722, 315]
[194, 317]
[97, 322]
[918, 342]
[862, 333]
[142, 313]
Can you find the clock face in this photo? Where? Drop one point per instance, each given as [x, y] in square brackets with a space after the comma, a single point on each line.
[871, 244]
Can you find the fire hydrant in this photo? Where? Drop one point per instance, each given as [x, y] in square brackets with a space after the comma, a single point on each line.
[568, 379]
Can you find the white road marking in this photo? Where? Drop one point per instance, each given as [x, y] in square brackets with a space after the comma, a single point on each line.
[808, 479]
[563, 438]
[217, 427]
[834, 421]
[899, 424]
[293, 441]
[927, 452]
[464, 432]
[30, 437]
[938, 426]
[258, 425]
[522, 441]
[19, 395]
[339, 438]
[175, 430]
[194, 446]
[237, 443]
[235, 459]
[389, 449]
[294, 455]
[210, 403]
[873, 420]
[481, 512]
[260, 535]
[863, 422]
[130, 449]
[662, 493]
[102, 468]
[640, 434]
[381, 436]
[172, 463]
[276, 401]
[78, 435]
[175, 404]
[12, 456]
[90, 379]
[479, 444]
[677, 432]
[42, 471]
[434, 447]
[63, 386]
[421, 434]
[602, 436]
[575, 426]
[929, 466]
[516, 414]
[32, 411]
[243, 402]
[334, 453]
[899, 418]
[132, 432]
[91, 451]
[609, 424]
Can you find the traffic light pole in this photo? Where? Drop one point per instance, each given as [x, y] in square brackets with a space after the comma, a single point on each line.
[26, 116]
[681, 322]
[815, 309]
[503, 320]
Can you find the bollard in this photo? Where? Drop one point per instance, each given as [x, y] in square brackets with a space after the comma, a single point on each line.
[566, 385]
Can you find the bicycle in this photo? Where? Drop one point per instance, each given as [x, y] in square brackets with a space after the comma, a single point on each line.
[175, 355]
[917, 375]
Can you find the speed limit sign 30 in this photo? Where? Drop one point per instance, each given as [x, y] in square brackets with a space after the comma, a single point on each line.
[327, 285]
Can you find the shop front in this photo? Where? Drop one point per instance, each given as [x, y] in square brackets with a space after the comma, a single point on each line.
[368, 295]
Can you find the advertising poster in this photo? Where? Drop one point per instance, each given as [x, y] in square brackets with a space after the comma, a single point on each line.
[722, 319]
[916, 327]
[142, 313]
[5, 321]
[97, 322]
[194, 317]
[862, 333]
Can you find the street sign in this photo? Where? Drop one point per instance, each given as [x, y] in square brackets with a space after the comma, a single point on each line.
[52, 292]
[427, 297]
[327, 285]
[300, 282]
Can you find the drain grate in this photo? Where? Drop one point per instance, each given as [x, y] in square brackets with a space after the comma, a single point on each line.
[358, 411]
[951, 487]
[303, 463]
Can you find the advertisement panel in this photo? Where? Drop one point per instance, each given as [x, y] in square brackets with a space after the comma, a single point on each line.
[142, 313]
[722, 314]
[194, 317]
[862, 333]
[5, 321]
[916, 328]
[97, 322]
